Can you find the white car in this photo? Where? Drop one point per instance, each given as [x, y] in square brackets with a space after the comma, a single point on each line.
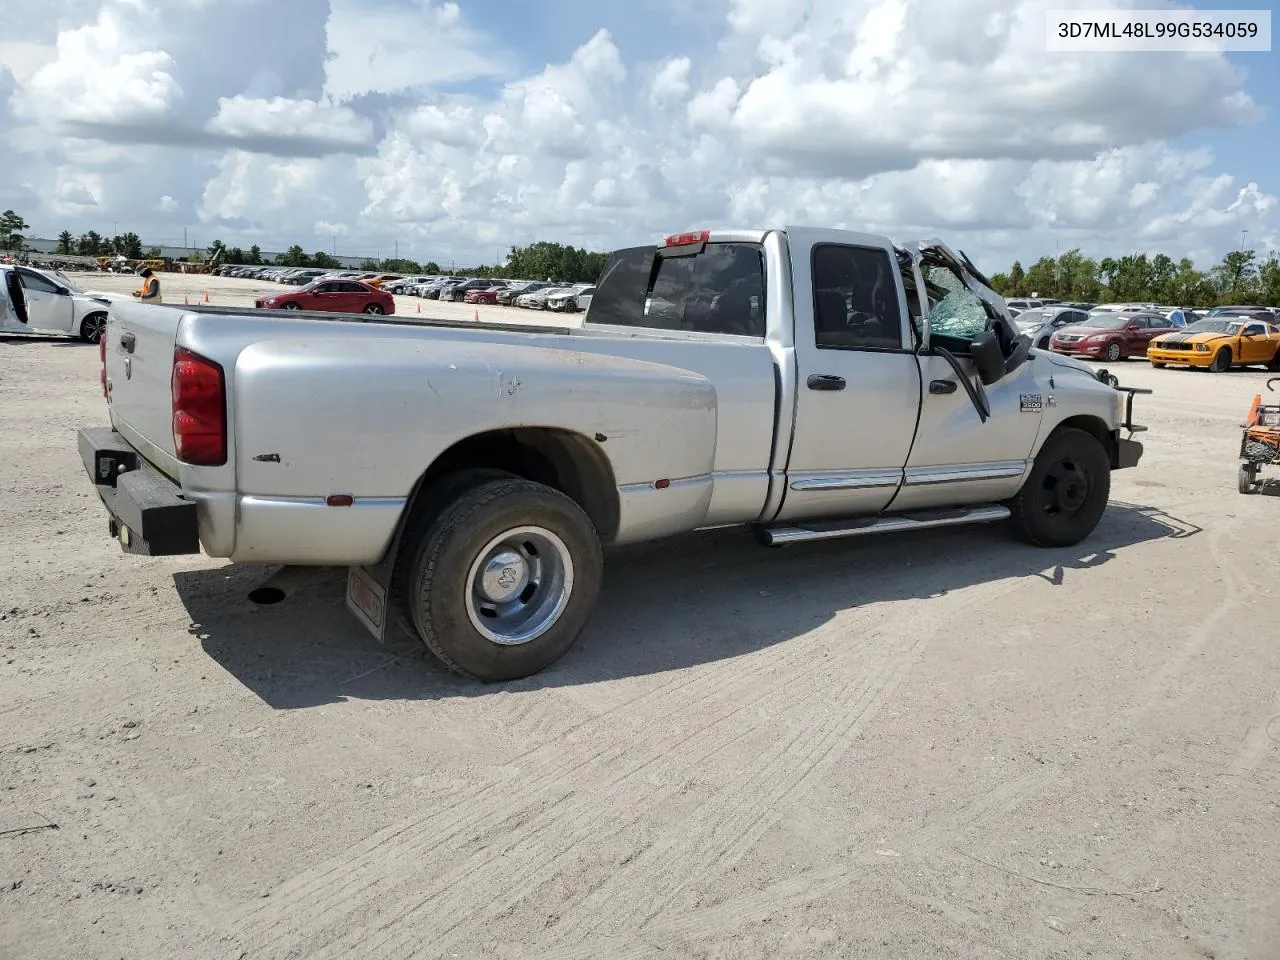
[47, 302]
[571, 300]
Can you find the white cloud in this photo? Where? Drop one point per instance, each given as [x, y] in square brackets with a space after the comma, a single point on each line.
[401, 120]
[380, 47]
[246, 118]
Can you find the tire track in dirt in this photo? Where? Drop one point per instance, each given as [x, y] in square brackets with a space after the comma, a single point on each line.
[728, 918]
[451, 911]
[748, 815]
[342, 882]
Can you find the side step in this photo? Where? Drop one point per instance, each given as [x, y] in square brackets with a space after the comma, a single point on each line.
[864, 526]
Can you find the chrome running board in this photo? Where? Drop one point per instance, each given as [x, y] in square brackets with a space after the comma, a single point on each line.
[864, 526]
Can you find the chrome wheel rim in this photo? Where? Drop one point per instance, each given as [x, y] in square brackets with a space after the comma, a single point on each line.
[291, 306]
[94, 327]
[373, 309]
[518, 585]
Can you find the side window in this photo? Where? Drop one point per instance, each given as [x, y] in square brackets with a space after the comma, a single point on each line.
[33, 281]
[720, 290]
[1255, 330]
[957, 312]
[855, 299]
[326, 287]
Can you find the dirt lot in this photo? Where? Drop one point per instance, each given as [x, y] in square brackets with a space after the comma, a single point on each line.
[945, 745]
[235, 292]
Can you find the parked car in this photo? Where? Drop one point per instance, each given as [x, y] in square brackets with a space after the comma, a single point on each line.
[1219, 343]
[538, 299]
[1039, 323]
[459, 291]
[1181, 316]
[481, 517]
[402, 284]
[571, 302]
[434, 291]
[508, 296]
[488, 295]
[47, 302]
[332, 296]
[1110, 336]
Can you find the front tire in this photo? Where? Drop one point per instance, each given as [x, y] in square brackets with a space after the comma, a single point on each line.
[1221, 361]
[92, 327]
[292, 306]
[1158, 365]
[1247, 478]
[1066, 492]
[504, 579]
[1113, 351]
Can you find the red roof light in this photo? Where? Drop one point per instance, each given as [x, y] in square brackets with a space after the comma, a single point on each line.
[686, 239]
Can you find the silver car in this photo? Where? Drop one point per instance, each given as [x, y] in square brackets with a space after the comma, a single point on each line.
[1038, 323]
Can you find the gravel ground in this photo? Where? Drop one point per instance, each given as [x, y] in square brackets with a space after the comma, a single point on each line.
[936, 746]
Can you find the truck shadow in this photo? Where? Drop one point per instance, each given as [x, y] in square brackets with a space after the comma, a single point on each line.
[665, 606]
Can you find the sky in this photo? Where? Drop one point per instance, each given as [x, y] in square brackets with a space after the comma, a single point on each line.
[450, 131]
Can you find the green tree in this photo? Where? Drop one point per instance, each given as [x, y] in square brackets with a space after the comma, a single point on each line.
[12, 227]
[154, 253]
[431, 267]
[1269, 282]
[91, 244]
[322, 259]
[254, 257]
[1077, 277]
[295, 256]
[1236, 277]
[127, 245]
[66, 243]
[234, 255]
[1017, 280]
[214, 247]
[1042, 278]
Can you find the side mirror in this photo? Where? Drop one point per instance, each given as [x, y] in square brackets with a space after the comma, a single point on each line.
[987, 357]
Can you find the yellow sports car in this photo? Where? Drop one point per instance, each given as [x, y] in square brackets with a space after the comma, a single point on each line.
[1219, 343]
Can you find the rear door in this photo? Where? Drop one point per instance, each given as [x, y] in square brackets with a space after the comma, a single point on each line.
[48, 307]
[858, 384]
[355, 297]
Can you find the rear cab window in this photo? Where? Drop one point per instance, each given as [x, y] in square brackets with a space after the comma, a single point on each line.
[718, 290]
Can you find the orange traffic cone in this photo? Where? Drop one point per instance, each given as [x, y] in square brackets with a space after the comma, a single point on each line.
[206, 296]
[419, 306]
[1252, 418]
[186, 299]
[475, 315]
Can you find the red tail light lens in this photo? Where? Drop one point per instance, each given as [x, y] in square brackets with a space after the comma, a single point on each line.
[199, 410]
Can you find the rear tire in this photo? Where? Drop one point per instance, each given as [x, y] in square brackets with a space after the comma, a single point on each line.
[92, 327]
[1066, 492]
[374, 310]
[1221, 361]
[503, 579]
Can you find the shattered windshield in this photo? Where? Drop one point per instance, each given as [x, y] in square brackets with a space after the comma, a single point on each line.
[957, 311]
[1214, 326]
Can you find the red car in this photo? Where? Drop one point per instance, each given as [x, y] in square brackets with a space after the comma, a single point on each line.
[1110, 336]
[484, 296]
[332, 296]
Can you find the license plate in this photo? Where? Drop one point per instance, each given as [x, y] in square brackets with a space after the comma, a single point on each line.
[367, 599]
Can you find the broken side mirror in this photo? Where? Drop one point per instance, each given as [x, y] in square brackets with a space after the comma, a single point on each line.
[987, 356]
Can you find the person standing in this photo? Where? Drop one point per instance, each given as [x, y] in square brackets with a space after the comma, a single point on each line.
[149, 292]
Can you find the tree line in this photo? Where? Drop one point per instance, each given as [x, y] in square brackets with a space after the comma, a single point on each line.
[1241, 277]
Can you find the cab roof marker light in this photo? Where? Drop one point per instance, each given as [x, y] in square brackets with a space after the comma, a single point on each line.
[686, 239]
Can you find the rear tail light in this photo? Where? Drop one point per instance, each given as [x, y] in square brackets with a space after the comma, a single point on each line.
[684, 239]
[199, 409]
[102, 355]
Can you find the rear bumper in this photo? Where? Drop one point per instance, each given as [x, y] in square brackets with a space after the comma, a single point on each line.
[146, 510]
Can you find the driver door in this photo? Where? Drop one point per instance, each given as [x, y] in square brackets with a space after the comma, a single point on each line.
[956, 458]
[1255, 346]
[48, 308]
[13, 303]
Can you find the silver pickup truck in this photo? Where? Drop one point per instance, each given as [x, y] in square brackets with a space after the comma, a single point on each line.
[808, 383]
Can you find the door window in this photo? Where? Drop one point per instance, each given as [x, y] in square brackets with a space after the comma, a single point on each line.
[855, 299]
[957, 314]
[36, 283]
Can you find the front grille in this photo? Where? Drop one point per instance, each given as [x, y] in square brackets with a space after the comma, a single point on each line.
[1175, 346]
[1067, 338]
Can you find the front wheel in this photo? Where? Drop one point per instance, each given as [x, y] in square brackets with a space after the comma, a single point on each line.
[1157, 364]
[92, 326]
[504, 579]
[1066, 492]
[1247, 478]
[1221, 360]
[292, 306]
[1113, 351]
[374, 309]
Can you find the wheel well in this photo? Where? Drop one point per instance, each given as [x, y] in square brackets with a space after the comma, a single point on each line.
[561, 459]
[1096, 428]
